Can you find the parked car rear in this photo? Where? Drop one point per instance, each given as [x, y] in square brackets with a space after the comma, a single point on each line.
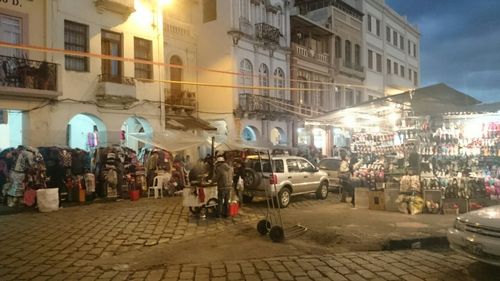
[331, 167]
[292, 176]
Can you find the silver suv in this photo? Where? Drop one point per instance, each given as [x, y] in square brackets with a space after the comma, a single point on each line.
[293, 176]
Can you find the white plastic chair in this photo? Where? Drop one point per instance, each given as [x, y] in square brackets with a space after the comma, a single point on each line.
[157, 186]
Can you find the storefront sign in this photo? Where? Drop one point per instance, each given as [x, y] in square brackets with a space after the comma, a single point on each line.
[12, 2]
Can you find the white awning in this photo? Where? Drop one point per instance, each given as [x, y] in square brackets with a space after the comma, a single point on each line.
[170, 140]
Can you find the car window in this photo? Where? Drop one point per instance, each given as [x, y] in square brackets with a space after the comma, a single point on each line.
[329, 164]
[305, 165]
[255, 165]
[278, 166]
[293, 165]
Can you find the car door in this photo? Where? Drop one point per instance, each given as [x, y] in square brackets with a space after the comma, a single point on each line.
[295, 175]
[311, 177]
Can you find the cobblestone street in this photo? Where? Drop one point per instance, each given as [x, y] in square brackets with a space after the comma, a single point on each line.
[72, 243]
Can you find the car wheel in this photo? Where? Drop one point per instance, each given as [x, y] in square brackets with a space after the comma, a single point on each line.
[322, 191]
[263, 227]
[247, 198]
[251, 178]
[277, 233]
[284, 197]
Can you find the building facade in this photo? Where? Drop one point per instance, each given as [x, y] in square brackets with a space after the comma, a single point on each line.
[391, 51]
[247, 43]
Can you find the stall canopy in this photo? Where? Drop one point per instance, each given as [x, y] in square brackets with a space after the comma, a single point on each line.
[170, 140]
[430, 100]
[222, 143]
[179, 122]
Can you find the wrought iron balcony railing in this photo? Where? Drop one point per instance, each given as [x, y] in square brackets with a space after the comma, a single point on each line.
[28, 74]
[267, 32]
[265, 104]
[106, 77]
[180, 98]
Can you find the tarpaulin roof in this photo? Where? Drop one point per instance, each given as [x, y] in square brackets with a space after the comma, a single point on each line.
[223, 143]
[170, 140]
[430, 100]
[188, 123]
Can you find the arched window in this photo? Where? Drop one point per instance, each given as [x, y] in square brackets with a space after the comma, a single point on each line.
[357, 55]
[279, 82]
[264, 79]
[246, 77]
[338, 47]
[348, 52]
[175, 75]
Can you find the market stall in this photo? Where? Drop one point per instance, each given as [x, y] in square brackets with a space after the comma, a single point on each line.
[432, 150]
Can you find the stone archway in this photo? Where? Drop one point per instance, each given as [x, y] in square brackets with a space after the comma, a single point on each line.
[278, 136]
[250, 133]
[135, 125]
[86, 131]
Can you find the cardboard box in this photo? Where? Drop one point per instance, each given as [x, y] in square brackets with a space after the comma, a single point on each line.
[376, 200]
[390, 197]
[361, 197]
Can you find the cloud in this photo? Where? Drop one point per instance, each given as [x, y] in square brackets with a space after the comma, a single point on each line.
[459, 43]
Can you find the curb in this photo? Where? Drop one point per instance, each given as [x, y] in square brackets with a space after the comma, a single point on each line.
[417, 243]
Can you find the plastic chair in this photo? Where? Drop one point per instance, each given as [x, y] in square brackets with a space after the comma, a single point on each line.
[157, 186]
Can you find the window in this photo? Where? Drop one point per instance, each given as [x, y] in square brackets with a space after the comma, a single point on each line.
[369, 21]
[414, 50]
[293, 165]
[357, 55]
[349, 97]
[76, 38]
[395, 38]
[10, 32]
[370, 97]
[409, 74]
[338, 97]
[348, 52]
[377, 22]
[338, 47]
[370, 59]
[396, 66]
[415, 78]
[304, 95]
[389, 66]
[379, 62]
[246, 75]
[209, 10]
[359, 98]
[111, 45]
[409, 47]
[388, 34]
[402, 72]
[176, 75]
[143, 51]
[401, 43]
[279, 82]
[264, 79]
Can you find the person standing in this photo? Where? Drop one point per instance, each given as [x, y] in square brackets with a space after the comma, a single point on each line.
[224, 179]
[151, 166]
[239, 172]
[345, 175]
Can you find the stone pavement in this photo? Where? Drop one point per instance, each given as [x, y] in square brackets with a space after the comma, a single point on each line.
[71, 244]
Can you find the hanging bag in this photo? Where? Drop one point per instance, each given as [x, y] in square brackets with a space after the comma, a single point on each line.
[29, 197]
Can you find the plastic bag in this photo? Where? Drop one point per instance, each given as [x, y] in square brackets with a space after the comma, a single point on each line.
[240, 186]
[48, 199]
[29, 197]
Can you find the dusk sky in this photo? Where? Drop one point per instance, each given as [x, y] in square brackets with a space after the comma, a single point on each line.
[459, 43]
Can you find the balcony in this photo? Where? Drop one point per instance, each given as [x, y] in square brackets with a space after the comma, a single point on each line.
[265, 106]
[180, 100]
[267, 33]
[349, 69]
[116, 89]
[304, 52]
[122, 7]
[28, 78]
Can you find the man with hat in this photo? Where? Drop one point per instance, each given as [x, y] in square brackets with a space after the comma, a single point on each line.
[224, 179]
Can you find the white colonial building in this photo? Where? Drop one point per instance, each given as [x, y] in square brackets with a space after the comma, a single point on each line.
[391, 51]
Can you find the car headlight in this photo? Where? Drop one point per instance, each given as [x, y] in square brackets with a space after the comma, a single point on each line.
[458, 225]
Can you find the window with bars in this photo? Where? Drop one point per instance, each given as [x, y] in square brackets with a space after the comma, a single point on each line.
[402, 71]
[143, 51]
[369, 22]
[338, 97]
[377, 26]
[401, 43]
[246, 77]
[395, 38]
[111, 45]
[338, 47]
[76, 38]
[396, 68]
[388, 34]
